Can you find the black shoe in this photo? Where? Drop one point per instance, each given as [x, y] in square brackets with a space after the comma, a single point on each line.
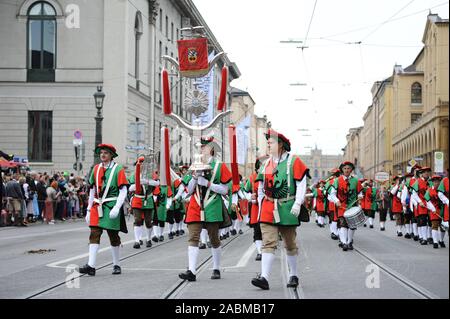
[442, 244]
[334, 237]
[407, 236]
[344, 247]
[170, 235]
[116, 270]
[435, 245]
[227, 235]
[177, 233]
[136, 245]
[233, 232]
[155, 239]
[350, 246]
[260, 282]
[161, 238]
[416, 238]
[215, 274]
[86, 269]
[258, 257]
[430, 240]
[382, 228]
[202, 246]
[365, 225]
[340, 245]
[241, 232]
[209, 244]
[293, 282]
[141, 242]
[371, 226]
[399, 234]
[149, 243]
[221, 237]
[181, 232]
[188, 275]
[423, 242]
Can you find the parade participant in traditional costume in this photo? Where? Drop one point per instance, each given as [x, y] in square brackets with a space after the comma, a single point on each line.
[142, 204]
[405, 201]
[104, 212]
[434, 209]
[396, 204]
[420, 187]
[412, 202]
[163, 197]
[331, 207]
[281, 193]
[251, 187]
[319, 202]
[368, 201]
[205, 208]
[176, 212]
[443, 194]
[383, 206]
[345, 193]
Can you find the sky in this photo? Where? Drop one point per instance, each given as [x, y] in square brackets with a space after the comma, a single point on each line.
[349, 44]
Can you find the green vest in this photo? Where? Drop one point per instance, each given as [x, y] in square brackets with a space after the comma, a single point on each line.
[162, 201]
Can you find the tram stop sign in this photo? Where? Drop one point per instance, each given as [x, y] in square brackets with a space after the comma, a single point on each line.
[80, 166]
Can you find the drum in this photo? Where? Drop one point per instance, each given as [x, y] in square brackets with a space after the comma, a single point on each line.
[355, 217]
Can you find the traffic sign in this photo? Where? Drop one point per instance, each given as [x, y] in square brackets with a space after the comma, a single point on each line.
[80, 166]
[78, 135]
[382, 176]
[412, 162]
[136, 148]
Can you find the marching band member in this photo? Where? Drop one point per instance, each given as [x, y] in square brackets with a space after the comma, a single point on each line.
[163, 197]
[178, 206]
[281, 192]
[433, 205]
[405, 201]
[319, 202]
[443, 193]
[142, 204]
[396, 205]
[104, 212]
[370, 205]
[412, 203]
[331, 207]
[251, 187]
[345, 192]
[420, 187]
[206, 211]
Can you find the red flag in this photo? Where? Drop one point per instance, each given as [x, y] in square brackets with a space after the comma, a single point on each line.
[193, 56]
[223, 90]
[167, 104]
[233, 152]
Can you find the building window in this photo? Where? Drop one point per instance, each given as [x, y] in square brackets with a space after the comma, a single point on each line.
[40, 136]
[41, 43]
[160, 20]
[416, 93]
[171, 32]
[415, 117]
[160, 51]
[138, 33]
[167, 27]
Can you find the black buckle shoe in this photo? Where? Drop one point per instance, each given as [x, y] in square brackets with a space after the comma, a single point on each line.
[136, 245]
[371, 226]
[334, 236]
[350, 246]
[430, 240]
[161, 238]
[141, 242]
[215, 274]
[260, 282]
[382, 229]
[399, 234]
[442, 244]
[407, 236]
[241, 232]
[155, 239]
[86, 269]
[177, 233]
[365, 225]
[116, 270]
[188, 275]
[181, 232]
[202, 246]
[423, 242]
[416, 238]
[149, 243]
[435, 245]
[344, 247]
[258, 257]
[233, 232]
[170, 235]
[293, 282]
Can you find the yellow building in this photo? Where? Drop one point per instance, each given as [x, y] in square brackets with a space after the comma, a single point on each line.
[426, 132]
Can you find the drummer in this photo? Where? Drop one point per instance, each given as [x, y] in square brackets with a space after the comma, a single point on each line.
[345, 192]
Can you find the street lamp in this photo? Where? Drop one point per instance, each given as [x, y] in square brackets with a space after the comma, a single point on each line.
[99, 96]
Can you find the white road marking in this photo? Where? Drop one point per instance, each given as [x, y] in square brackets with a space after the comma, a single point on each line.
[46, 233]
[245, 258]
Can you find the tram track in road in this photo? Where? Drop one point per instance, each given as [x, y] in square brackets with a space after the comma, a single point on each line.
[177, 288]
[61, 283]
[399, 278]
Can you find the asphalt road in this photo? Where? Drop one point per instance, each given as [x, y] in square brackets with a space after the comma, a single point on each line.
[382, 266]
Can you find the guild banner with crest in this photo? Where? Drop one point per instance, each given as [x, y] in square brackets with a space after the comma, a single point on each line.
[193, 56]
